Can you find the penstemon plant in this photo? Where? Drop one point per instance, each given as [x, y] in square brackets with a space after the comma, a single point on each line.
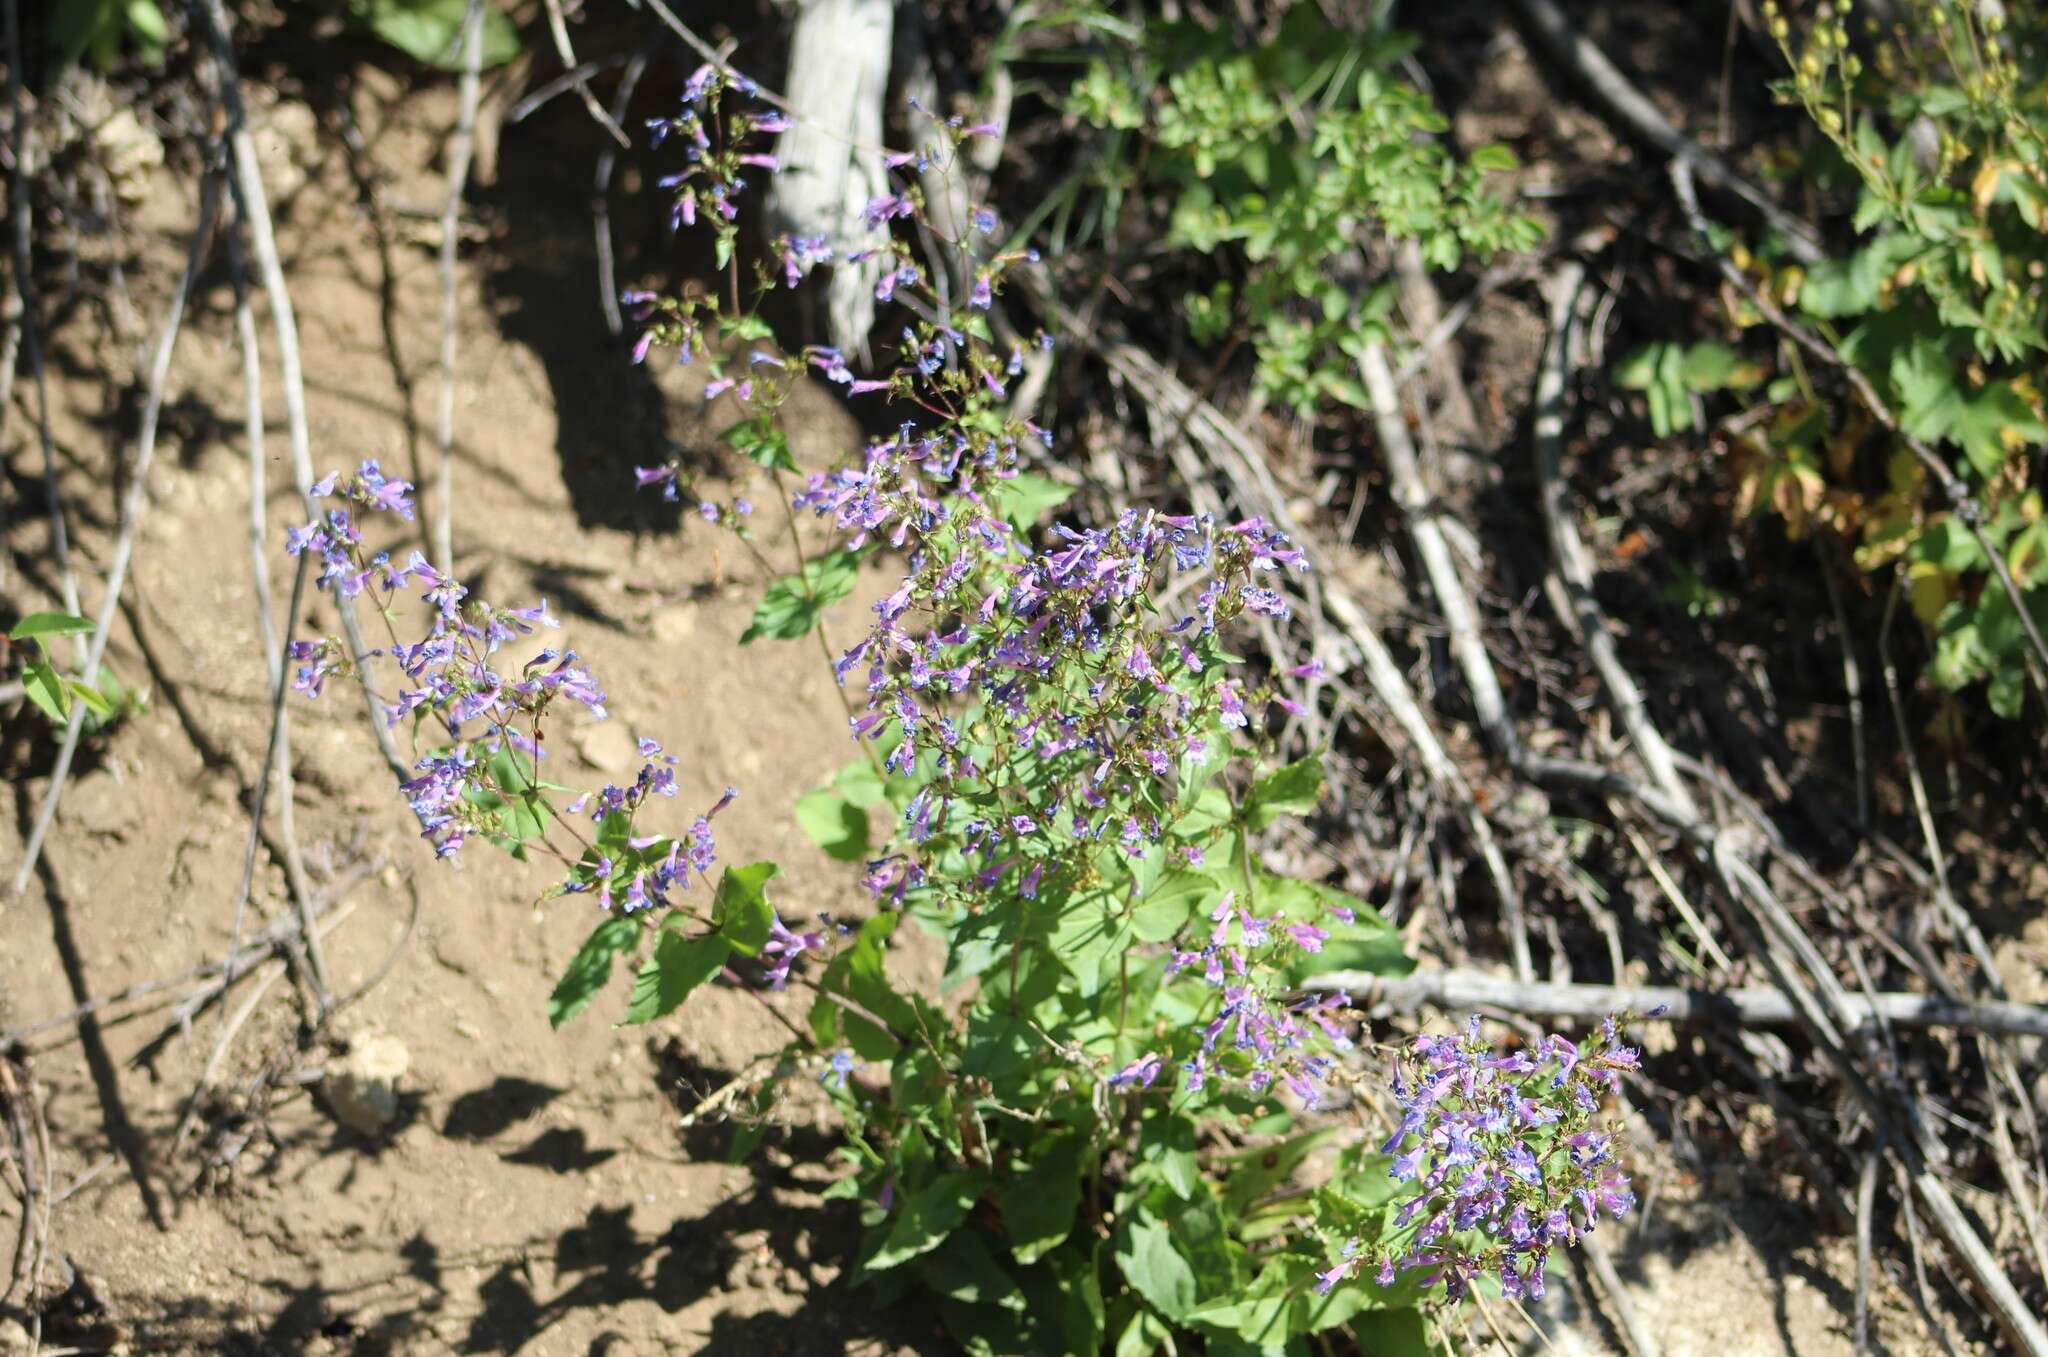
[1098, 1129]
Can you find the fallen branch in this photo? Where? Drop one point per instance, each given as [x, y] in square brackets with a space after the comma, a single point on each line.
[558, 28]
[1751, 1006]
[259, 947]
[1419, 508]
[1571, 561]
[600, 202]
[1831, 1017]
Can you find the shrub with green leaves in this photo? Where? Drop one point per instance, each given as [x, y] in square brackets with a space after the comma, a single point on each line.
[1277, 160]
[1932, 141]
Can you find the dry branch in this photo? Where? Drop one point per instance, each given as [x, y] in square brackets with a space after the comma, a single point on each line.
[1626, 104]
[1420, 508]
[1829, 1014]
[19, 191]
[558, 29]
[460, 148]
[1574, 564]
[1754, 1006]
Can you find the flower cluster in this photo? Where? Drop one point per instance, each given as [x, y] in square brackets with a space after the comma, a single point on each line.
[996, 663]
[714, 177]
[1507, 1155]
[482, 775]
[1269, 1038]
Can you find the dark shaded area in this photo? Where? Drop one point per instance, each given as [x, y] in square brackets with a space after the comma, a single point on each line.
[498, 1106]
[122, 1133]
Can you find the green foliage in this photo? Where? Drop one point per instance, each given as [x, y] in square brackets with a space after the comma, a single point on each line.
[1275, 161]
[430, 31]
[99, 28]
[1934, 138]
[105, 699]
[793, 604]
[590, 970]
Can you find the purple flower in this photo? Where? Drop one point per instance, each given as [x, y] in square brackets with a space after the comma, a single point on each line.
[1141, 1072]
[786, 947]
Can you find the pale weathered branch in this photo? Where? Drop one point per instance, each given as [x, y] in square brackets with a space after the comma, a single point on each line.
[1753, 1006]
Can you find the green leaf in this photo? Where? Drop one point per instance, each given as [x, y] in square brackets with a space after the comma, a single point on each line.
[834, 823]
[146, 27]
[860, 974]
[1082, 1314]
[1716, 367]
[1154, 1268]
[1025, 498]
[525, 814]
[966, 1271]
[591, 967]
[1167, 1145]
[1993, 422]
[1039, 1205]
[1256, 1172]
[761, 441]
[741, 907]
[91, 697]
[431, 30]
[679, 965]
[1168, 906]
[861, 784]
[1393, 1333]
[925, 1218]
[1285, 791]
[793, 604]
[45, 687]
[38, 625]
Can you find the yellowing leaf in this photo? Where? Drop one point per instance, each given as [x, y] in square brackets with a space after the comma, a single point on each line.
[1929, 588]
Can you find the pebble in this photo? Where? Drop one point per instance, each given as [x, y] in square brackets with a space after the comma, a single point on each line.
[362, 1091]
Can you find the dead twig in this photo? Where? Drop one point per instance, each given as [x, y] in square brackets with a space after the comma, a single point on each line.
[19, 193]
[600, 202]
[1571, 561]
[558, 28]
[253, 205]
[1419, 507]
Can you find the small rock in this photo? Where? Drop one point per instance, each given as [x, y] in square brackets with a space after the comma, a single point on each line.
[362, 1092]
[129, 151]
[608, 747]
[13, 1337]
[673, 626]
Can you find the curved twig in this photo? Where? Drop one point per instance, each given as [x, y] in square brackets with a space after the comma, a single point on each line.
[253, 204]
[1574, 564]
[1627, 105]
[1418, 506]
